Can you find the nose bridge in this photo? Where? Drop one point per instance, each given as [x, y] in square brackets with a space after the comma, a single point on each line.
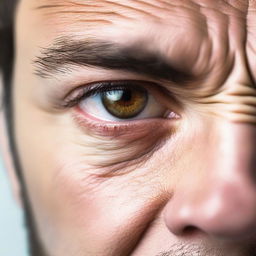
[223, 201]
[233, 153]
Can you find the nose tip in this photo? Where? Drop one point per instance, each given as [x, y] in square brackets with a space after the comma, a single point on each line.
[219, 195]
[229, 213]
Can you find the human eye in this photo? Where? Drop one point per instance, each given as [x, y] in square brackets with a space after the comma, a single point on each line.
[118, 104]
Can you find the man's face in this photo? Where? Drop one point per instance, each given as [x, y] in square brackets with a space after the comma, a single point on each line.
[135, 125]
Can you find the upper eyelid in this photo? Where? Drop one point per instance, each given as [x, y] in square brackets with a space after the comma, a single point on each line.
[85, 90]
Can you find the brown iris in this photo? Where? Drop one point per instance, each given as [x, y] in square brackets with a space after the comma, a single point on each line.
[125, 103]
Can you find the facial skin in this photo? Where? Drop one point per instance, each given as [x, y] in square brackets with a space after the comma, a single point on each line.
[154, 185]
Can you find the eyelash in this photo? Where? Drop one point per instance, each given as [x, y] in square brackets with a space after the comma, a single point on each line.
[98, 88]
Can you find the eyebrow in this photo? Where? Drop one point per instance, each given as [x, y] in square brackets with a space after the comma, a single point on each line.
[66, 53]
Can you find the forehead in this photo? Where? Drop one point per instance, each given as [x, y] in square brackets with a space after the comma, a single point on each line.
[116, 12]
[150, 19]
[123, 20]
[145, 6]
[177, 28]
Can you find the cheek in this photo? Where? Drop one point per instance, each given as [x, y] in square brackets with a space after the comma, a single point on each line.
[75, 206]
[98, 211]
[71, 199]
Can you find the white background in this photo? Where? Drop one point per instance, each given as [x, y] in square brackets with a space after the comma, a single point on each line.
[12, 230]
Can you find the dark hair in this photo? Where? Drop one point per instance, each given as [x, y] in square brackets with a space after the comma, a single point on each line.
[7, 12]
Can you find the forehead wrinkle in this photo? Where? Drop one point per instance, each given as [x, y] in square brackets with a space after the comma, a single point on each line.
[104, 3]
[94, 11]
[252, 5]
[111, 7]
[108, 10]
[91, 13]
[131, 9]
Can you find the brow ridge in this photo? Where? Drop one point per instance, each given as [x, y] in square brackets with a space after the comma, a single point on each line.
[66, 53]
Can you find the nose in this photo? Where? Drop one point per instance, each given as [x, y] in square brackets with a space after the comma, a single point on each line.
[218, 197]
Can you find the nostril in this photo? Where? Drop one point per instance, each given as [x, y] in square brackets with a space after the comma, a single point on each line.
[190, 230]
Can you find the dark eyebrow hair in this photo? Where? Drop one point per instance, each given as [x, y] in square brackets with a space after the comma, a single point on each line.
[66, 52]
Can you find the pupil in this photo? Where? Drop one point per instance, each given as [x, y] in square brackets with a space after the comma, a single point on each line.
[127, 96]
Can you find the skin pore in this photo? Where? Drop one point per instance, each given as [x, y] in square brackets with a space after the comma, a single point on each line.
[177, 179]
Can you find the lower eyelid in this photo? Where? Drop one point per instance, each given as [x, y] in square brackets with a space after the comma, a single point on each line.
[123, 130]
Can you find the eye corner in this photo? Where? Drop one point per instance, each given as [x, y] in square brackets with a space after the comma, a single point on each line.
[172, 115]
